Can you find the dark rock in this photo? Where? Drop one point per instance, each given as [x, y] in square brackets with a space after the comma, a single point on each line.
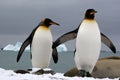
[105, 67]
[73, 72]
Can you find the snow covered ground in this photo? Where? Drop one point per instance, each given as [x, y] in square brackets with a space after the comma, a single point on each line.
[10, 75]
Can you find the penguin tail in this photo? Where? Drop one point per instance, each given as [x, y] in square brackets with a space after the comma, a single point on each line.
[55, 55]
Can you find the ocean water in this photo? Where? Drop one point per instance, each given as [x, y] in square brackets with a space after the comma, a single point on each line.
[65, 62]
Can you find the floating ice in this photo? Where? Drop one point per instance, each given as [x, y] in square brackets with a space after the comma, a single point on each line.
[17, 46]
[61, 48]
[9, 47]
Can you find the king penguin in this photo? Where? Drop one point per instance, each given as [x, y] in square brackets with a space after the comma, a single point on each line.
[40, 41]
[88, 43]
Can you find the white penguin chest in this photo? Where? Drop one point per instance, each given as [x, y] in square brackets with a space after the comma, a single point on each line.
[88, 35]
[42, 38]
[41, 48]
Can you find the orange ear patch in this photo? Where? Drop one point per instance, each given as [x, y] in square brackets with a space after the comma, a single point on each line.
[43, 20]
[89, 20]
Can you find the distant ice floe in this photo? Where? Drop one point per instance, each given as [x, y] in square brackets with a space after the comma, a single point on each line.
[62, 48]
[16, 47]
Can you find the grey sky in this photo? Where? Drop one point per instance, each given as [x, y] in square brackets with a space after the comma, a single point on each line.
[19, 17]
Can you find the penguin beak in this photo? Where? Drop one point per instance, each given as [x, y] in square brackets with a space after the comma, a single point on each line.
[93, 12]
[54, 23]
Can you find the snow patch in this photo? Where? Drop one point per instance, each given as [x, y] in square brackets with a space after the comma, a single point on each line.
[11, 75]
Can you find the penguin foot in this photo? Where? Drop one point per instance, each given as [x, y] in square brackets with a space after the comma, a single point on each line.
[44, 71]
[83, 73]
[21, 71]
[39, 72]
[88, 74]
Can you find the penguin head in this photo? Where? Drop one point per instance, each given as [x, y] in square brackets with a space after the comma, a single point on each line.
[47, 22]
[90, 14]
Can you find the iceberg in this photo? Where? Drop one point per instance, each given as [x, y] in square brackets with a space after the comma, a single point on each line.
[16, 47]
[9, 47]
[62, 48]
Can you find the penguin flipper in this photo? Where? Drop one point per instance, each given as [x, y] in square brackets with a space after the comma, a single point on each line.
[55, 55]
[108, 42]
[24, 45]
[65, 37]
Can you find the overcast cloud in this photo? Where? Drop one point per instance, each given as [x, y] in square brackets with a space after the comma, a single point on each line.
[19, 17]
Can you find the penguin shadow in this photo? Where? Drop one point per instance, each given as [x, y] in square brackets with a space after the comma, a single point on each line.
[108, 67]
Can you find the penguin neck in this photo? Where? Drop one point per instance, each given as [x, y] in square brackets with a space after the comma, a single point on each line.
[44, 27]
[89, 20]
